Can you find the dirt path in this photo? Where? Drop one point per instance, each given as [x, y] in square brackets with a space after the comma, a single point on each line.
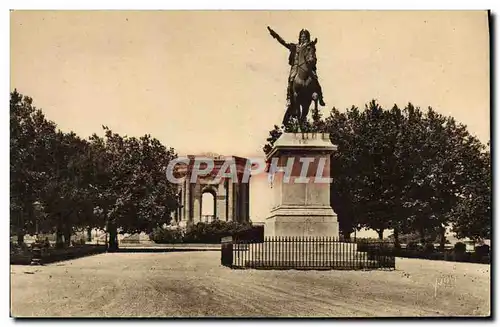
[194, 284]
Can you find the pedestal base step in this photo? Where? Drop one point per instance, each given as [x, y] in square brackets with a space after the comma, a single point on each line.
[316, 265]
[304, 257]
[298, 247]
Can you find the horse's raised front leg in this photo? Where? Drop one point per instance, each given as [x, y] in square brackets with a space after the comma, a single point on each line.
[291, 111]
[286, 117]
[296, 105]
[305, 112]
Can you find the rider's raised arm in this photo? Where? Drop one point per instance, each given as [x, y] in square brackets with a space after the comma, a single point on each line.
[283, 42]
[279, 38]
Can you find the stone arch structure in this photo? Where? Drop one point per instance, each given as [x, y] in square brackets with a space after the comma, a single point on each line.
[231, 196]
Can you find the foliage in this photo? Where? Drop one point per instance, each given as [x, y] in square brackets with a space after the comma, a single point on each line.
[129, 183]
[18, 249]
[214, 231]
[460, 247]
[482, 250]
[370, 244]
[413, 246]
[30, 137]
[78, 242]
[162, 235]
[202, 232]
[429, 248]
[472, 215]
[65, 197]
[406, 238]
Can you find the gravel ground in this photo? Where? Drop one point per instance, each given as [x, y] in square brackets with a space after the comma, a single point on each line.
[193, 284]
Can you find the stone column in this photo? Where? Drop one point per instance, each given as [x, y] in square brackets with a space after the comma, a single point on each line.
[190, 215]
[302, 204]
[231, 201]
[221, 202]
[226, 201]
[237, 202]
[186, 202]
[185, 195]
[245, 206]
[196, 204]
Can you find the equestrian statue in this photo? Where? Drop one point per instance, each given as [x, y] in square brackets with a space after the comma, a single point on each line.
[303, 85]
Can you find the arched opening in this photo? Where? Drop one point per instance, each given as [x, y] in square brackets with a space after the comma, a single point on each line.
[208, 206]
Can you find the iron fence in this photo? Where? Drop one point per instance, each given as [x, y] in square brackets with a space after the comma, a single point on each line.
[306, 253]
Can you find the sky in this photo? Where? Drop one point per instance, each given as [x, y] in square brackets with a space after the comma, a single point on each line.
[215, 81]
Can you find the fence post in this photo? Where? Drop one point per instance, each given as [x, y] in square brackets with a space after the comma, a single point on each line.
[227, 251]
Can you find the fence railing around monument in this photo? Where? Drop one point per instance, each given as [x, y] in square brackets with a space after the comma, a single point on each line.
[306, 253]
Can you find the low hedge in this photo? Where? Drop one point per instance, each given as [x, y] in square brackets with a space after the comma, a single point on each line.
[163, 236]
[52, 254]
[481, 255]
[210, 233]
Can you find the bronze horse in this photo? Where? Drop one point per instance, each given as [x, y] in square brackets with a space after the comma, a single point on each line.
[304, 88]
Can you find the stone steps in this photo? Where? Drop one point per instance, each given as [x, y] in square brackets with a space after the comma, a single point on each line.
[312, 265]
[301, 255]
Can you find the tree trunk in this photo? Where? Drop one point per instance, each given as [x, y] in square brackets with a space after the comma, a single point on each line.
[442, 238]
[346, 235]
[67, 236]
[89, 234]
[422, 236]
[20, 235]
[59, 236]
[396, 238]
[380, 233]
[113, 237]
[20, 229]
[59, 239]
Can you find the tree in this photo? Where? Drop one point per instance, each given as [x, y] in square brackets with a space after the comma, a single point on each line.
[30, 134]
[472, 217]
[345, 189]
[66, 192]
[376, 148]
[367, 175]
[132, 191]
[442, 151]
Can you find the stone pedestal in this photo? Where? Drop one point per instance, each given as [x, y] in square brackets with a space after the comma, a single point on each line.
[301, 186]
